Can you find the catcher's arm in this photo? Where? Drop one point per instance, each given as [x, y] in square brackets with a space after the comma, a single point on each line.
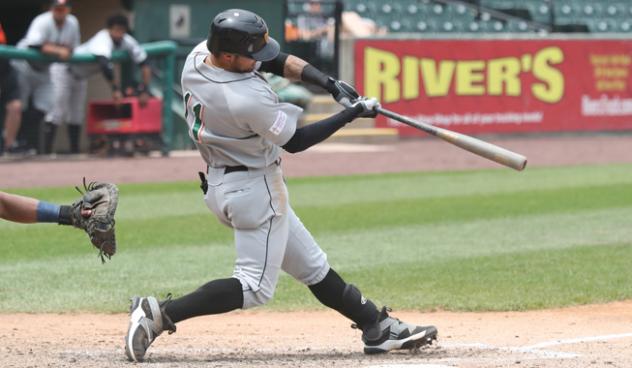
[27, 210]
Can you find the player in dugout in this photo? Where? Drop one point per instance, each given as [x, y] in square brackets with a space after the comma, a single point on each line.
[70, 81]
[10, 99]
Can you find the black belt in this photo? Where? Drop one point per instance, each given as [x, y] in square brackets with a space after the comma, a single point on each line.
[230, 169]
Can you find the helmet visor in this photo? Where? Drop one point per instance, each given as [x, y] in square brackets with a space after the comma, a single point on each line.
[269, 51]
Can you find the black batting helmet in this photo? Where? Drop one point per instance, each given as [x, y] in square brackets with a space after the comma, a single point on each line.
[241, 32]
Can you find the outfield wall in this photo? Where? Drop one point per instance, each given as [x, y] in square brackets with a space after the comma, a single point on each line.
[499, 85]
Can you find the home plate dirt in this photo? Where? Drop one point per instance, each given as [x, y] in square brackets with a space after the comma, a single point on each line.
[585, 336]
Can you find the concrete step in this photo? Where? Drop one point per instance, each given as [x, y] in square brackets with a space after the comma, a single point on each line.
[323, 104]
[365, 135]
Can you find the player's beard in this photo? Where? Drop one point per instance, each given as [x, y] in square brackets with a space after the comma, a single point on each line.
[238, 66]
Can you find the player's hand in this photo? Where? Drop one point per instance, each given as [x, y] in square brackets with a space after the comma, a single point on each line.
[117, 96]
[342, 92]
[64, 53]
[143, 98]
[365, 107]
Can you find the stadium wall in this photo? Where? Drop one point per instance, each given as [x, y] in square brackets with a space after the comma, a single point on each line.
[497, 84]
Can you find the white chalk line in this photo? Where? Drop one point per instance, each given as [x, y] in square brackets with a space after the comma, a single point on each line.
[410, 366]
[537, 350]
[580, 340]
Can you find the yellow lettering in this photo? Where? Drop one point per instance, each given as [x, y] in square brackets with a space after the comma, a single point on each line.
[612, 86]
[551, 89]
[410, 78]
[381, 71]
[437, 83]
[469, 75]
[503, 72]
[601, 72]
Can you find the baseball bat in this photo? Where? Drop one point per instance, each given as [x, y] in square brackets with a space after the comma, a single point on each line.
[476, 146]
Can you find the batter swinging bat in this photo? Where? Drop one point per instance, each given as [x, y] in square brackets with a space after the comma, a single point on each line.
[476, 146]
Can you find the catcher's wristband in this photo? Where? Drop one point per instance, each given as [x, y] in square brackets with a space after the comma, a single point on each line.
[65, 215]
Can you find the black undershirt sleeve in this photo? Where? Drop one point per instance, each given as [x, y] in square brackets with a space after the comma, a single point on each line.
[317, 132]
[276, 65]
[106, 67]
[311, 74]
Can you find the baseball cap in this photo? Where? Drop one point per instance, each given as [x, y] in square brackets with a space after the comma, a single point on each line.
[60, 3]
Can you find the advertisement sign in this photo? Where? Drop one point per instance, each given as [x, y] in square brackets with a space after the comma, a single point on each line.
[500, 86]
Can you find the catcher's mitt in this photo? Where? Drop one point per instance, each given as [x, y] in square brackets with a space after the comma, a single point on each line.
[94, 213]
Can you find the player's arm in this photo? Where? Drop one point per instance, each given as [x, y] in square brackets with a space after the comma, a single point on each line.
[29, 210]
[139, 56]
[59, 51]
[297, 69]
[143, 92]
[317, 132]
[107, 70]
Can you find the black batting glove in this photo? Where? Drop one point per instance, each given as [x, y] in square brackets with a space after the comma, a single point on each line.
[342, 92]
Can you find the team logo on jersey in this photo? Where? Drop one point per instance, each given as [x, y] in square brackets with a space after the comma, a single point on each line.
[279, 123]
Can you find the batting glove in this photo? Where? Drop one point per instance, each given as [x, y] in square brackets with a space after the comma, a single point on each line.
[365, 107]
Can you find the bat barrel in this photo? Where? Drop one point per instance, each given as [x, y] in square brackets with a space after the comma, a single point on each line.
[476, 146]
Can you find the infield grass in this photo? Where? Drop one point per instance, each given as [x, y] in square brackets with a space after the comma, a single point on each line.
[470, 240]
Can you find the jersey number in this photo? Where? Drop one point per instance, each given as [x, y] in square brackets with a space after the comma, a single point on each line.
[197, 125]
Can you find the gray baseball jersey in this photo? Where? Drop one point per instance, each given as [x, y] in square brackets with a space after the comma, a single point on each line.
[236, 119]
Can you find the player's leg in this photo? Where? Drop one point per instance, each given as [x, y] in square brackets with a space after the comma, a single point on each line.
[43, 96]
[76, 111]
[254, 205]
[61, 86]
[380, 333]
[25, 79]
[10, 97]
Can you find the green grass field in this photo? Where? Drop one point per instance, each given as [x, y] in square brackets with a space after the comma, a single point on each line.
[471, 240]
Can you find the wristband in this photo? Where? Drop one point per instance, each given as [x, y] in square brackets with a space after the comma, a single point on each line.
[47, 212]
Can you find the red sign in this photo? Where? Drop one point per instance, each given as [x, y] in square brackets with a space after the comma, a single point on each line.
[500, 86]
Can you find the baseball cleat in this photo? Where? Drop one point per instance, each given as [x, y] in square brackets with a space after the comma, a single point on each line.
[146, 323]
[392, 334]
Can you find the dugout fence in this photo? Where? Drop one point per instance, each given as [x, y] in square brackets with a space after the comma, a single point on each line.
[163, 56]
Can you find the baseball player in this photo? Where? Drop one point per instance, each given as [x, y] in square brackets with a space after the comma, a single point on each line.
[55, 33]
[70, 81]
[10, 99]
[240, 129]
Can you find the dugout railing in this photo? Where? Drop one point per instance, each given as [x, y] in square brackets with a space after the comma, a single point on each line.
[164, 52]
